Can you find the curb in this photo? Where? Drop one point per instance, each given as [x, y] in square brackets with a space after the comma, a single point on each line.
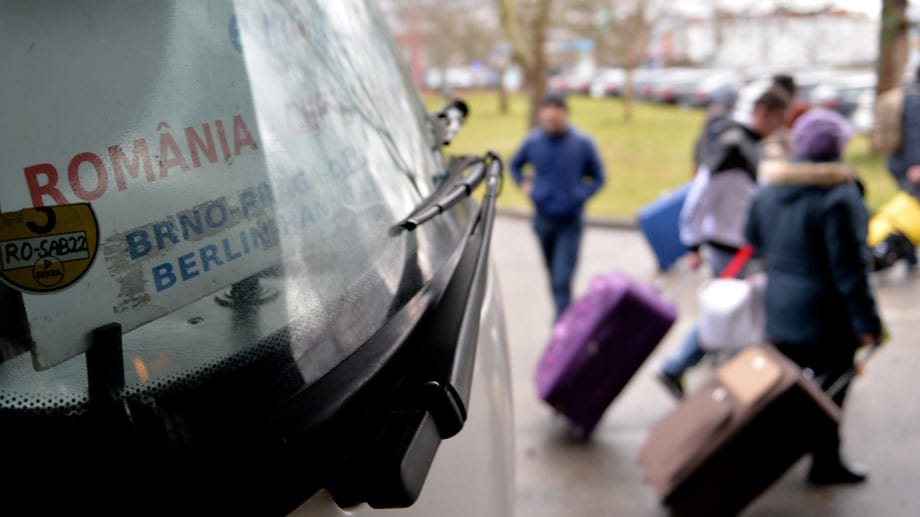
[600, 221]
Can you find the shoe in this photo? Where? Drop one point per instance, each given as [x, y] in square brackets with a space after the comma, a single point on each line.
[837, 473]
[672, 383]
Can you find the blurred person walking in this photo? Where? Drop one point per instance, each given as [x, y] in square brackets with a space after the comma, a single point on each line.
[779, 144]
[718, 112]
[904, 161]
[565, 172]
[716, 208]
[809, 226]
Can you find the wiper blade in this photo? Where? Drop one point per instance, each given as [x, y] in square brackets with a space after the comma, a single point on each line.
[489, 166]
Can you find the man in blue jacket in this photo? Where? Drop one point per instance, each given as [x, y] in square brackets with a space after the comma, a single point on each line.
[566, 171]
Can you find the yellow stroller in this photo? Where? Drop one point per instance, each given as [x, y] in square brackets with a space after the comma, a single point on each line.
[894, 232]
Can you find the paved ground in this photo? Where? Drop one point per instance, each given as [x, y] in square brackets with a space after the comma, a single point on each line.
[557, 476]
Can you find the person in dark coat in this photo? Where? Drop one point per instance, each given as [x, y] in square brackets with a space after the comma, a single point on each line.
[904, 164]
[809, 225]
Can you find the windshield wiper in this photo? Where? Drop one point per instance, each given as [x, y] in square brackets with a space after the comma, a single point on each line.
[489, 167]
[433, 402]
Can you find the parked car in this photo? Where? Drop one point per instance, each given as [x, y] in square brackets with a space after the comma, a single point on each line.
[841, 92]
[678, 85]
[238, 274]
[808, 81]
[571, 82]
[608, 83]
[643, 82]
[715, 84]
[612, 83]
[459, 78]
[863, 115]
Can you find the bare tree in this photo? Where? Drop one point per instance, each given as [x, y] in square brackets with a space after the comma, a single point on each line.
[893, 45]
[633, 32]
[621, 31]
[500, 62]
[526, 27]
[452, 33]
[719, 16]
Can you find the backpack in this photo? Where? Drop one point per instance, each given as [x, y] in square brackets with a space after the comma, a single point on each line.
[886, 133]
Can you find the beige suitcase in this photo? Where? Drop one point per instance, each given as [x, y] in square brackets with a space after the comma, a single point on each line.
[729, 441]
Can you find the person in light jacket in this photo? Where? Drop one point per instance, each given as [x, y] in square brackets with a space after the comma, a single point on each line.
[809, 225]
[713, 216]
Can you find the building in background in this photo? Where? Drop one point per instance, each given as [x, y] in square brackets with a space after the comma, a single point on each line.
[780, 38]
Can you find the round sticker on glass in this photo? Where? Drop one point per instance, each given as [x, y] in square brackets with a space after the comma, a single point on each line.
[48, 248]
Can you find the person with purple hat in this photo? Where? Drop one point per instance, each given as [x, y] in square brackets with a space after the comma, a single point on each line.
[808, 224]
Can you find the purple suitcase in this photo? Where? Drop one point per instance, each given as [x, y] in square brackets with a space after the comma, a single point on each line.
[598, 344]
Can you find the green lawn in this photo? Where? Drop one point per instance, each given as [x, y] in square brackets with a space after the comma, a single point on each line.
[643, 158]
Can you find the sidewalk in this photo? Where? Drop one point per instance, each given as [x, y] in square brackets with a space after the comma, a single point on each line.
[560, 477]
[621, 222]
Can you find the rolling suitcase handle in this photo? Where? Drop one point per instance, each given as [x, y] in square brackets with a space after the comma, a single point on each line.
[859, 366]
[738, 262]
[681, 278]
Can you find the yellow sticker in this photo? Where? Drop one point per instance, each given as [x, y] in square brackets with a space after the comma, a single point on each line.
[47, 248]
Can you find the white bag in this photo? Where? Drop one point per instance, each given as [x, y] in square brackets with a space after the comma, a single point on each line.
[732, 313]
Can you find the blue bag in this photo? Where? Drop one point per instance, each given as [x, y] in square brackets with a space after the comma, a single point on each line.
[659, 223]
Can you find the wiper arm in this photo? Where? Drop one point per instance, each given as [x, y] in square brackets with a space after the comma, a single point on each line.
[490, 166]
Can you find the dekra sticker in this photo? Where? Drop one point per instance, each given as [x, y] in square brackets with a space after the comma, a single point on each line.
[47, 248]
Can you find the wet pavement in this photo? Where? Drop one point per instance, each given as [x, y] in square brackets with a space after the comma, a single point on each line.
[560, 476]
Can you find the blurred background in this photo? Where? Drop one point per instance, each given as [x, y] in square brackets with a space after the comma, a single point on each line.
[640, 74]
